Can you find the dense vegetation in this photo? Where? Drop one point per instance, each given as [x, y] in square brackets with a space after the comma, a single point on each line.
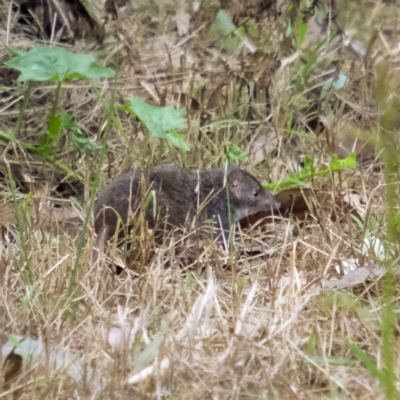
[304, 95]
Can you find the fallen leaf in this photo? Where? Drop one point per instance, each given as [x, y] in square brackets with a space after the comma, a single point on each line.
[59, 359]
[301, 202]
[356, 277]
[182, 19]
[264, 143]
[12, 366]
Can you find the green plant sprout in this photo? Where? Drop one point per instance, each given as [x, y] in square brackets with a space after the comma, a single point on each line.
[81, 142]
[53, 64]
[234, 154]
[310, 62]
[297, 24]
[6, 138]
[159, 122]
[308, 172]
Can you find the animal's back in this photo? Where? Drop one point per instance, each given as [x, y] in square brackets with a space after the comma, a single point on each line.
[173, 194]
[177, 195]
[181, 191]
[115, 199]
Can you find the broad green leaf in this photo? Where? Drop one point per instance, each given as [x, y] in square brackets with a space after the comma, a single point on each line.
[57, 64]
[157, 120]
[68, 121]
[178, 140]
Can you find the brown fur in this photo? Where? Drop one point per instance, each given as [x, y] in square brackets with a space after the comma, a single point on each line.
[180, 194]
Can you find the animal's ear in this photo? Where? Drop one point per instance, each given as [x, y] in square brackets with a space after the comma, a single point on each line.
[234, 179]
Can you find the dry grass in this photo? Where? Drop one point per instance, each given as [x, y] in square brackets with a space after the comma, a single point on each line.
[186, 320]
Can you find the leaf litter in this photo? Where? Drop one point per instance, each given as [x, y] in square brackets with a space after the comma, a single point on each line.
[248, 326]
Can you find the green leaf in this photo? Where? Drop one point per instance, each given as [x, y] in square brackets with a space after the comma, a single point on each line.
[31, 294]
[310, 62]
[349, 162]
[190, 282]
[313, 57]
[13, 51]
[298, 179]
[336, 83]
[240, 282]
[57, 64]
[178, 140]
[81, 142]
[343, 300]
[311, 343]
[235, 154]
[302, 31]
[307, 169]
[151, 197]
[35, 149]
[289, 29]
[365, 360]
[225, 22]
[67, 120]
[158, 121]
[25, 206]
[264, 42]
[143, 359]
[358, 221]
[224, 28]
[51, 137]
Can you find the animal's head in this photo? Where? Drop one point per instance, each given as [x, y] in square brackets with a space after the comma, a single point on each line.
[246, 194]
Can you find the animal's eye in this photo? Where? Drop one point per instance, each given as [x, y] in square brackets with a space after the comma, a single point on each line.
[255, 193]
